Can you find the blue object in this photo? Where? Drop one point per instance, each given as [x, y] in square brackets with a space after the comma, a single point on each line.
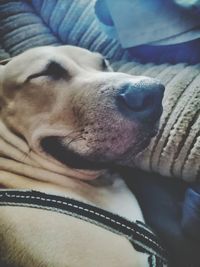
[188, 52]
[154, 30]
[155, 22]
[106, 22]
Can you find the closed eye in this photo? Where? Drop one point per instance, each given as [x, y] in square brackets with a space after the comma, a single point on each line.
[106, 65]
[54, 70]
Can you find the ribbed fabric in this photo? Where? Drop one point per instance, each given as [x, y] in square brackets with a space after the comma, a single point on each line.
[175, 151]
[26, 24]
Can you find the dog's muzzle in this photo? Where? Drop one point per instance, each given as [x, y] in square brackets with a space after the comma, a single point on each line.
[116, 128]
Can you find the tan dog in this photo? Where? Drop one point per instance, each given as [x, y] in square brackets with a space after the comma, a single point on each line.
[66, 119]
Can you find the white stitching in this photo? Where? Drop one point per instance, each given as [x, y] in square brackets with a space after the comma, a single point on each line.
[81, 208]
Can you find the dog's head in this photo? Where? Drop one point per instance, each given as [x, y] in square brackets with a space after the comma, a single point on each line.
[72, 108]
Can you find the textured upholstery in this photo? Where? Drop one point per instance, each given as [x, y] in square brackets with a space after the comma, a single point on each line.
[56, 22]
[175, 151]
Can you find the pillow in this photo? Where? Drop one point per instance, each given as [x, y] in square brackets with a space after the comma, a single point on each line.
[175, 151]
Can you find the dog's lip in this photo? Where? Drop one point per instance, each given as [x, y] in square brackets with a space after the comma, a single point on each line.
[91, 166]
[52, 145]
[90, 174]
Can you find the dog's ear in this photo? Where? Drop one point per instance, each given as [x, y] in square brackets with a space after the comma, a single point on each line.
[1, 72]
[2, 67]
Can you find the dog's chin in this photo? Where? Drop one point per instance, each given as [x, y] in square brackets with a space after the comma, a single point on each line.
[53, 146]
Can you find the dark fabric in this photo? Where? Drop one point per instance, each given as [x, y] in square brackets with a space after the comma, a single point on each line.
[162, 202]
[191, 213]
[141, 236]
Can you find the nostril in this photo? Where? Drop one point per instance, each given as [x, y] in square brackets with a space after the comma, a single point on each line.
[137, 100]
[133, 103]
[143, 100]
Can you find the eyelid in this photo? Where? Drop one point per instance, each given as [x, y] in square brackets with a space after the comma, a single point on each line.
[53, 69]
[105, 63]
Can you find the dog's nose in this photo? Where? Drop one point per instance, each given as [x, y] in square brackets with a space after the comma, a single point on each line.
[142, 100]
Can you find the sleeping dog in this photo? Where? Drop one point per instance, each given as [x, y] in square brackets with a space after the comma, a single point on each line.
[66, 121]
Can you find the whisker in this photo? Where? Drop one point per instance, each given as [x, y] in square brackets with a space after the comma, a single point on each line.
[72, 133]
[74, 140]
[26, 154]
